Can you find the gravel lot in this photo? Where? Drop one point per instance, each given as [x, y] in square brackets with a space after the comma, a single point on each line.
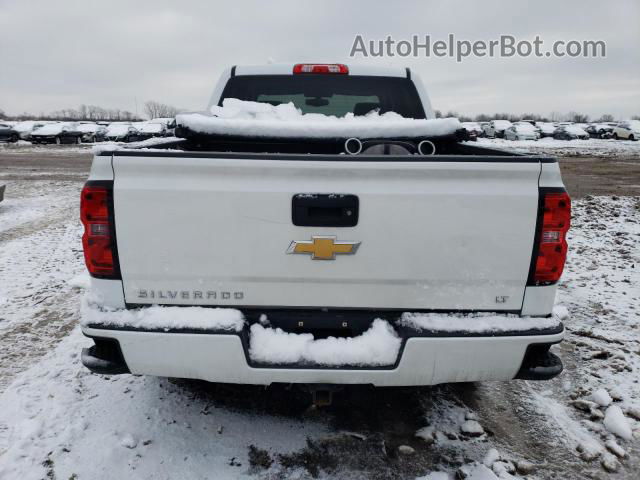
[59, 421]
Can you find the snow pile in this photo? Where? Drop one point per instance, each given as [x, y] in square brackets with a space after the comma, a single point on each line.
[165, 318]
[376, 347]
[616, 423]
[601, 397]
[472, 428]
[561, 312]
[255, 119]
[475, 322]
[81, 281]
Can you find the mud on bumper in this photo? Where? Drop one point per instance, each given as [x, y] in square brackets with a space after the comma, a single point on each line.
[424, 359]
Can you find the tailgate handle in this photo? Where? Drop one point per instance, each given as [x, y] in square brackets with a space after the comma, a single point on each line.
[324, 210]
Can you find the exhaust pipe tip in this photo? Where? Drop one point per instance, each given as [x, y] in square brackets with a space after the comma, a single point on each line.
[353, 146]
[426, 147]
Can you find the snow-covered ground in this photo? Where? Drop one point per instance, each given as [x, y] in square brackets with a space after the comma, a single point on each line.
[57, 420]
[39, 249]
[567, 148]
[28, 147]
[51, 149]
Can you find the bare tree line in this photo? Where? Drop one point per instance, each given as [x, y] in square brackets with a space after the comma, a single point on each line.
[152, 109]
[155, 109]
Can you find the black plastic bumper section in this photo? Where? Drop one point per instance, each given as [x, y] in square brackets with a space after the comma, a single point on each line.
[105, 357]
[539, 363]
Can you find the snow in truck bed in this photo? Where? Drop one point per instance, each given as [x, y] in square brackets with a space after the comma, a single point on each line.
[254, 119]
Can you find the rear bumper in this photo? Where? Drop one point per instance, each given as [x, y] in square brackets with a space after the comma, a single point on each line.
[423, 360]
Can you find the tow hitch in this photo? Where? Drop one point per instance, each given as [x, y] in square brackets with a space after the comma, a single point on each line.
[322, 394]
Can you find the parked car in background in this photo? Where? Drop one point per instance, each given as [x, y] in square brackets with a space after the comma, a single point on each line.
[529, 125]
[474, 130]
[547, 129]
[628, 130]
[570, 132]
[149, 130]
[599, 130]
[522, 131]
[473, 126]
[57, 133]
[496, 128]
[122, 132]
[7, 133]
[92, 132]
[25, 128]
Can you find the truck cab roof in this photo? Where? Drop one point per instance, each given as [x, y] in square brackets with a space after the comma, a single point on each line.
[287, 69]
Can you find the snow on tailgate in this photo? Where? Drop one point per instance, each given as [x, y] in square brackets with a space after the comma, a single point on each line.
[254, 119]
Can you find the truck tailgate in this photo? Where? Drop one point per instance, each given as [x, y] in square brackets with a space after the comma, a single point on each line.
[441, 234]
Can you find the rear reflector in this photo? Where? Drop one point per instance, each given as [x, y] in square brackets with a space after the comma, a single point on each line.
[320, 68]
[98, 240]
[551, 244]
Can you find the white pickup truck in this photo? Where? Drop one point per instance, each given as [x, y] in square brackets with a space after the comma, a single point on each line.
[457, 251]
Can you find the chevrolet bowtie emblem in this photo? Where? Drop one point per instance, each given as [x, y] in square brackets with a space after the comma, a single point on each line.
[323, 247]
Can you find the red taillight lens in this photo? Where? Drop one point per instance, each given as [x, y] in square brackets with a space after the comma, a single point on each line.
[320, 68]
[552, 242]
[98, 240]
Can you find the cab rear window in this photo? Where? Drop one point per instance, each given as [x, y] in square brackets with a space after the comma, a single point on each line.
[330, 95]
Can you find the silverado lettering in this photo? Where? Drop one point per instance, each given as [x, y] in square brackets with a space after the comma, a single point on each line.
[189, 294]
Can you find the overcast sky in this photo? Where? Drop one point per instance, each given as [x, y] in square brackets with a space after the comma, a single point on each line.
[113, 53]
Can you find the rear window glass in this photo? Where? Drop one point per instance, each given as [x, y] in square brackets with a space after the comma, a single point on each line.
[330, 94]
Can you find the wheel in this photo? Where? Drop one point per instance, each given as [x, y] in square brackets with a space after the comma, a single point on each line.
[615, 136]
[58, 141]
[631, 137]
[78, 140]
[14, 138]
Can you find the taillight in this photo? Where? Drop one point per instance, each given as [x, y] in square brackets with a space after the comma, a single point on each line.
[320, 68]
[98, 240]
[551, 243]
